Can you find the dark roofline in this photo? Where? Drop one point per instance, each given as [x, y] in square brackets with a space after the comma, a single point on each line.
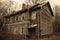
[50, 8]
[33, 8]
[19, 12]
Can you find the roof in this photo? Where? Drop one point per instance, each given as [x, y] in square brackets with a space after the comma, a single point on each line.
[50, 8]
[31, 26]
[33, 8]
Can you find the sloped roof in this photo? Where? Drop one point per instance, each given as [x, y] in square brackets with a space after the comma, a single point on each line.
[50, 8]
[33, 8]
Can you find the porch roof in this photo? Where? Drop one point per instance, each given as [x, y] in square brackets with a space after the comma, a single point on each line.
[32, 26]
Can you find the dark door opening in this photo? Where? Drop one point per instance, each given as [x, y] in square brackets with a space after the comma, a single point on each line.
[32, 33]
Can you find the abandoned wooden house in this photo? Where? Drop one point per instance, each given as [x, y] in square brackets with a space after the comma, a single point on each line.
[32, 22]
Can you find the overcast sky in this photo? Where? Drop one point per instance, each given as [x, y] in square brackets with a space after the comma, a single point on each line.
[54, 2]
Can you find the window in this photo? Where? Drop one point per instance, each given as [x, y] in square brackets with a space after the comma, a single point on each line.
[11, 19]
[8, 20]
[16, 18]
[34, 15]
[22, 17]
[22, 29]
[19, 17]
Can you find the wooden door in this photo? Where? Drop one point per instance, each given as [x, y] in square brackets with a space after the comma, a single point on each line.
[33, 35]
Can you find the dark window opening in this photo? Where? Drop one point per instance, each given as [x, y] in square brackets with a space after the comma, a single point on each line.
[16, 18]
[22, 30]
[23, 17]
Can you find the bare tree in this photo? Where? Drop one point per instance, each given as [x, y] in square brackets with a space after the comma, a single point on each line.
[57, 19]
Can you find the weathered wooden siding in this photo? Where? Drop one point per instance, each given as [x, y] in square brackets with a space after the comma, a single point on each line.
[45, 21]
[17, 24]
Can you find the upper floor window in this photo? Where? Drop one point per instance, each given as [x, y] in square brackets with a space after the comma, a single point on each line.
[19, 18]
[8, 20]
[22, 17]
[16, 18]
[33, 15]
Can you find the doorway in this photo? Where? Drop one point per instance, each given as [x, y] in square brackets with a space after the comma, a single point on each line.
[32, 33]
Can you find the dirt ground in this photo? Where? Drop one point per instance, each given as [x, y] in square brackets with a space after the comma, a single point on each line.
[9, 36]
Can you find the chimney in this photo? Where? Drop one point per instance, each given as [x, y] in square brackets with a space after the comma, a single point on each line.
[24, 6]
